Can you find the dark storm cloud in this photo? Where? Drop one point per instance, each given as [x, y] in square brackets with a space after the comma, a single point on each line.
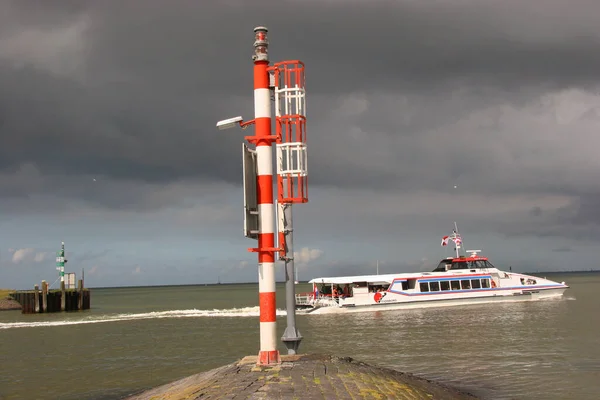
[579, 219]
[402, 95]
[58, 124]
[362, 45]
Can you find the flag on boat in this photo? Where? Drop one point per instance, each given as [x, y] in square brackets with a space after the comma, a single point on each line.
[457, 240]
[445, 240]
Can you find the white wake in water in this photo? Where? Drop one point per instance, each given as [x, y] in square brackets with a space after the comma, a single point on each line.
[231, 312]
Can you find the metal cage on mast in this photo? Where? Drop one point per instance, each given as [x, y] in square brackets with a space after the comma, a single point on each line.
[287, 84]
[290, 121]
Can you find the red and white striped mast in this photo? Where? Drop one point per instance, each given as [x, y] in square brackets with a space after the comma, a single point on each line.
[266, 211]
[286, 81]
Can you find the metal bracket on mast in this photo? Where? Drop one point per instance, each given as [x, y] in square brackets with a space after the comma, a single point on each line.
[254, 139]
[257, 249]
[246, 124]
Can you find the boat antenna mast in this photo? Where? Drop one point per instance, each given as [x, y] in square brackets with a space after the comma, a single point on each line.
[457, 240]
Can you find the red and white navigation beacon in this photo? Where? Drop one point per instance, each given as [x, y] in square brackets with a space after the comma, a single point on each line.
[284, 82]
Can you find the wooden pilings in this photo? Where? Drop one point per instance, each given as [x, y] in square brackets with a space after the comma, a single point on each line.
[36, 298]
[44, 296]
[50, 301]
[80, 297]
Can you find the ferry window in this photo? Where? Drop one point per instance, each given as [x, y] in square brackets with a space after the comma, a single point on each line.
[475, 283]
[465, 284]
[441, 266]
[405, 285]
[424, 286]
[435, 286]
[489, 265]
[445, 285]
[485, 283]
[459, 265]
[455, 285]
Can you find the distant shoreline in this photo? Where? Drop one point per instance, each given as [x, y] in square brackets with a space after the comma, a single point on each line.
[302, 282]
[581, 271]
[306, 282]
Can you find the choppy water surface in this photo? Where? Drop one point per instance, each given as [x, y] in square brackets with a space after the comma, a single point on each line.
[135, 338]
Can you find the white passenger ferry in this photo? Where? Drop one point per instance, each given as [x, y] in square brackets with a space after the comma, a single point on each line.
[455, 281]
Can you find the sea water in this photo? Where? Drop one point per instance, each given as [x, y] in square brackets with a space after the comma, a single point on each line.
[136, 338]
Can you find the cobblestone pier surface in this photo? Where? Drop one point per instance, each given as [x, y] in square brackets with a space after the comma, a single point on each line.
[303, 377]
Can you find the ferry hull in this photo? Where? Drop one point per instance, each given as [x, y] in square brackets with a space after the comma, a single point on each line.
[527, 295]
[548, 293]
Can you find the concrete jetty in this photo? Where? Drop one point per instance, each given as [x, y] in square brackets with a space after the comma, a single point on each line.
[303, 377]
[9, 304]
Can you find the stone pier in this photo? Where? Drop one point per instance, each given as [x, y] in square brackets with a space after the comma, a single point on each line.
[303, 377]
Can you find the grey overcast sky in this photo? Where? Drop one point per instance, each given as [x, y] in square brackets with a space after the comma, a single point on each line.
[108, 138]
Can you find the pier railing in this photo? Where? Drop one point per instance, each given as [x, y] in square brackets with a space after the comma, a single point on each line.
[308, 299]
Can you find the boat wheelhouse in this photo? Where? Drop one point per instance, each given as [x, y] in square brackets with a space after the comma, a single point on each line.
[455, 281]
